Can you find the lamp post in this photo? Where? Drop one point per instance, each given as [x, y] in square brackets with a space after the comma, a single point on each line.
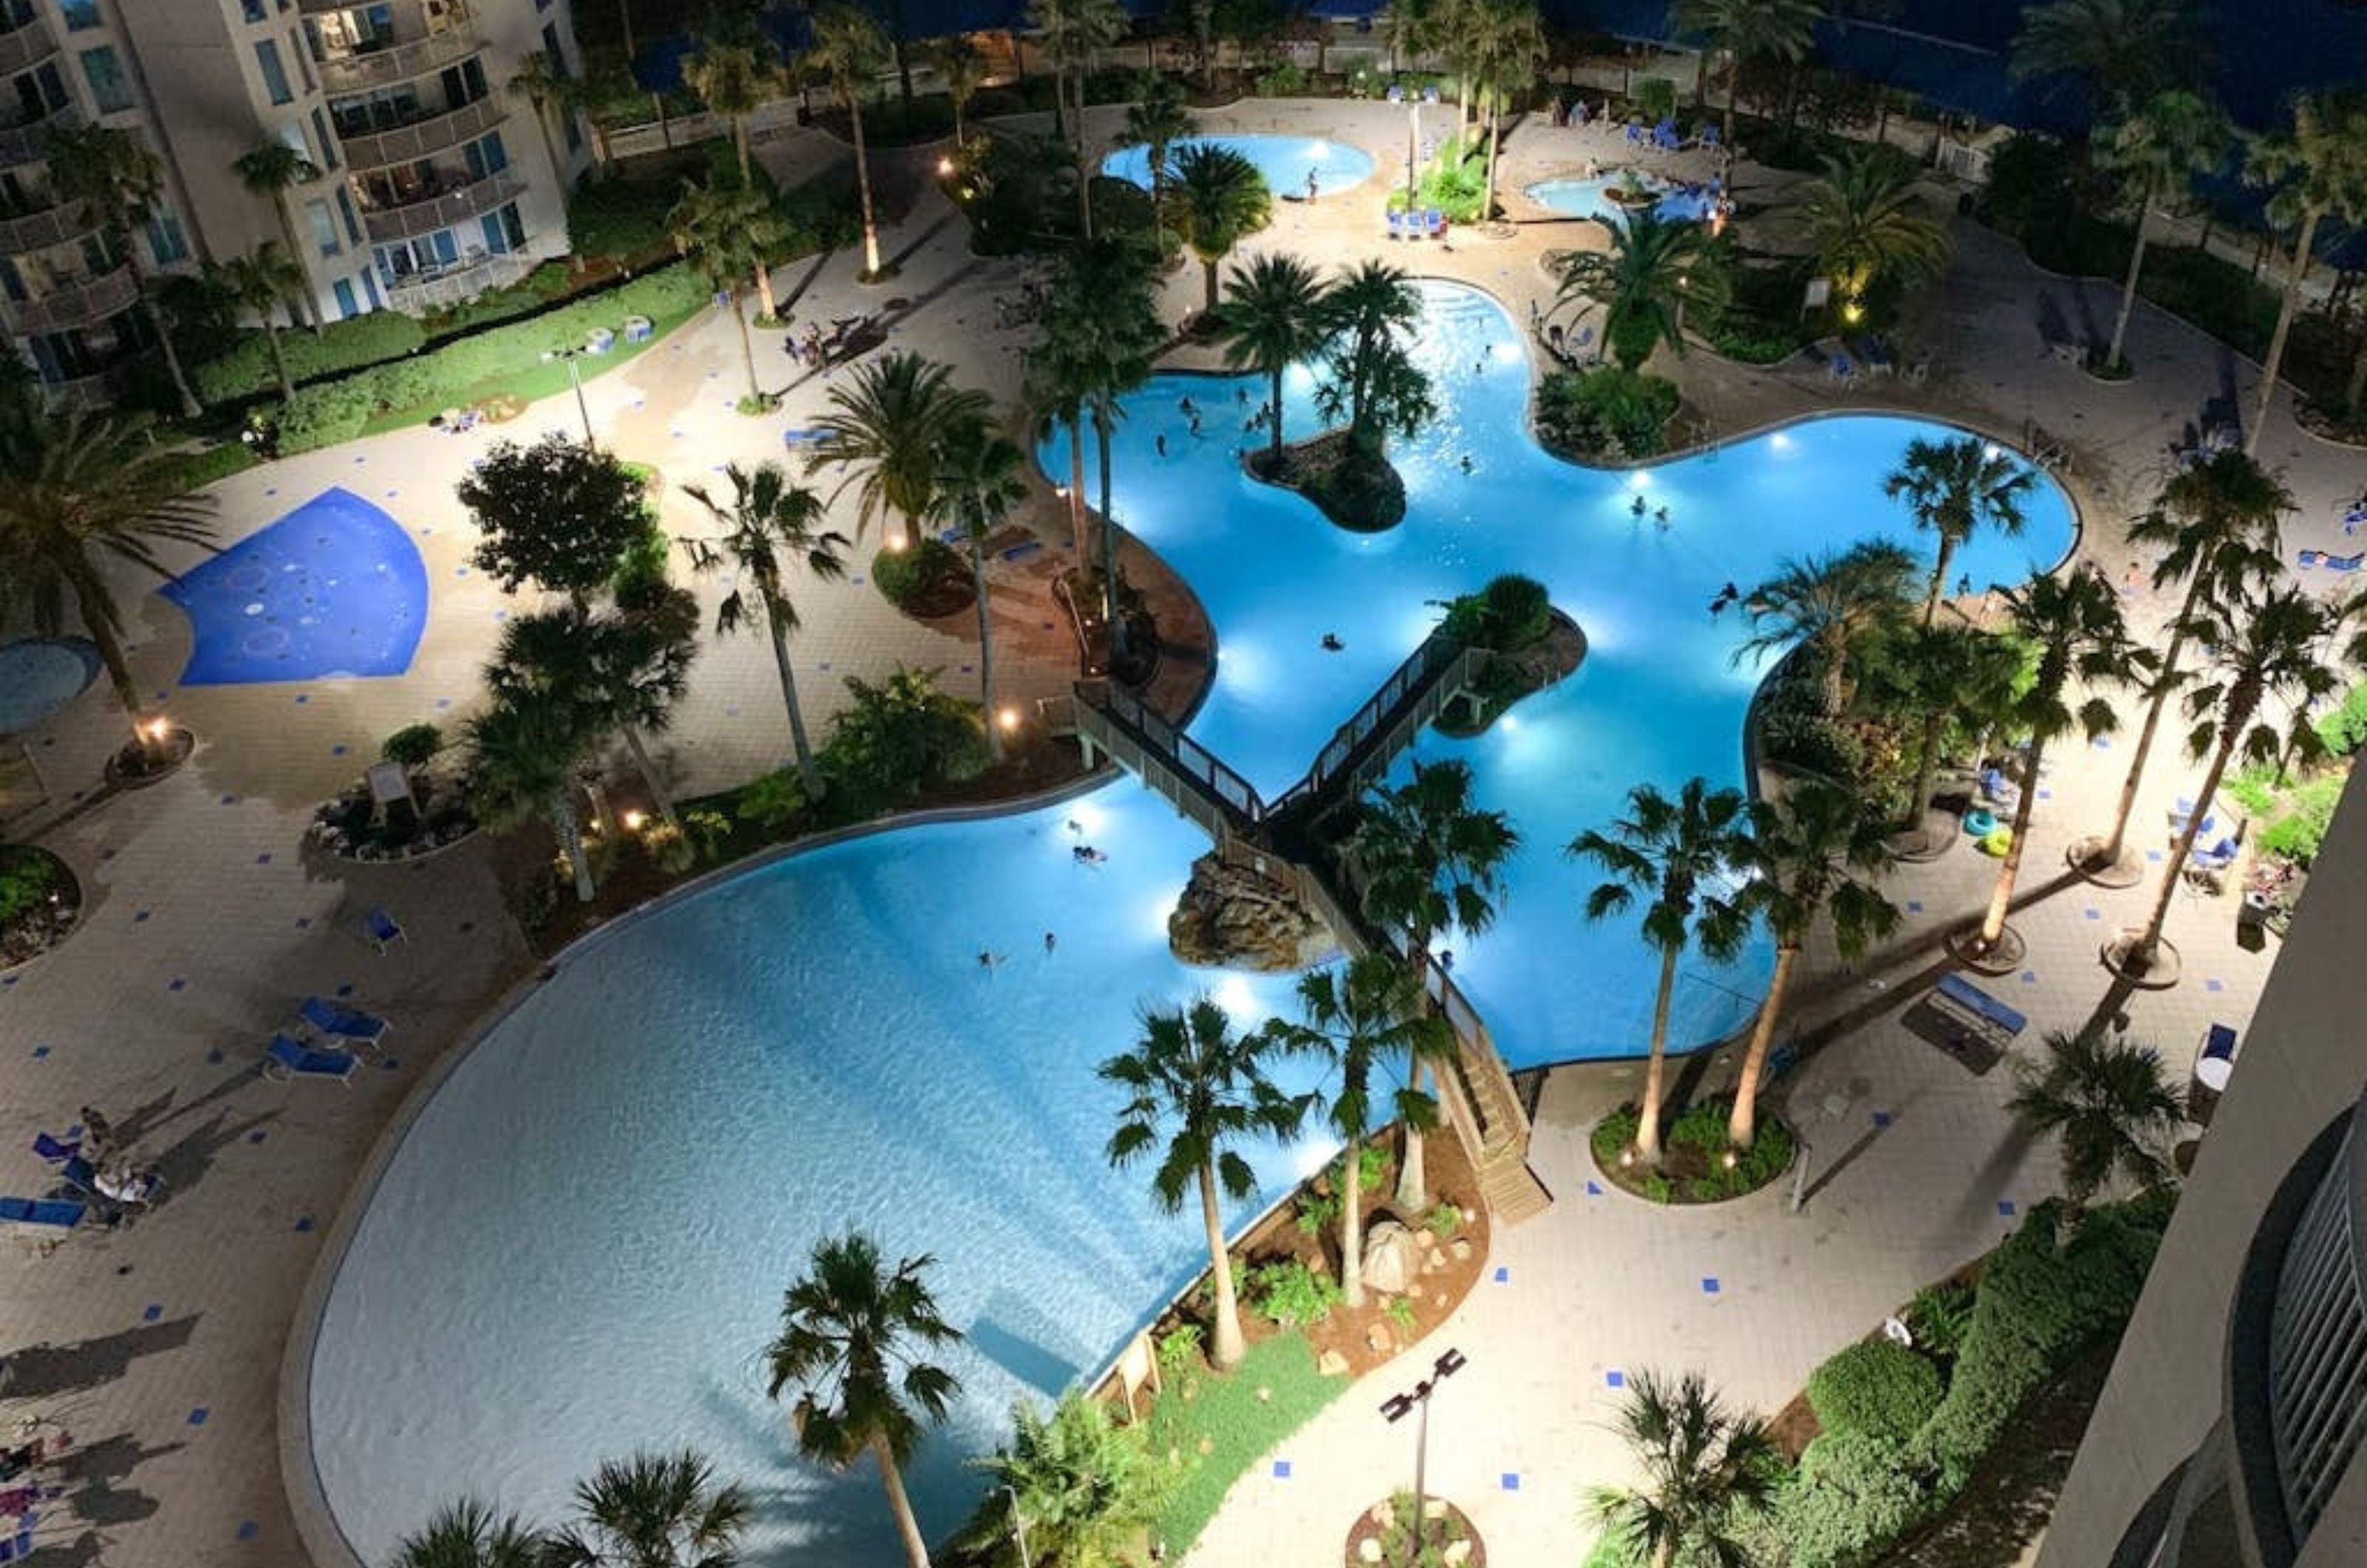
[1413, 102]
[1018, 1524]
[575, 379]
[1417, 1398]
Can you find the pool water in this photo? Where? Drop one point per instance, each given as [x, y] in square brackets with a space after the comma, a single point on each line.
[39, 676]
[1284, 161]
[1585, 198]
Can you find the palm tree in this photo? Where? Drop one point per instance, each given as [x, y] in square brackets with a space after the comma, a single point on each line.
[1081, 1488]
[1744, 31]
[627, 670]
[468, 1534]
[1061, 376]
[732, 81]
[523, 754]
[886, 433]
[543, 85]
[1812, 851]
[84, 489]
[1071, 33]
[729, 232]
[2265, 644]
[1833, 602]
[2120, 50]
[2160, 146]
[2215, 522]
[1704, 1468]
[1275, 313]
[653, 1510]
[1938, 675]
[1155, 122]
[1655, 268]
[1368, 313]
[768, 524]
[1220, 199]
[2074, 623]
[1191, 1075]
[1678, 854]
[1425, 858]
[272, 170]
[1867, 224]
[114, 175]
[1356, 1018]
[2320, 168]
[1408, 27]
[847, 53]
[1956, 487]
[981, 475]
[851, 1336]
[961, 67]
[261, 282]
[2106, 1102]
[1511, 41]
[1101, 331]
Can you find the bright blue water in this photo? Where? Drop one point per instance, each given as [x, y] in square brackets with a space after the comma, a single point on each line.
[41, 675]
[1584, 199]
[1284, 161]
[334, 588]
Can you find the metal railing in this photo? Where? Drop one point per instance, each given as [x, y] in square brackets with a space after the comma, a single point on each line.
[444, 209]
[30, 142]
[344, 75]
[408, 144]
[1148, 743]
[38, 231]
[1416, 691]
[2317, 1346]
[24, 46]
[76, 304]
[423, 292]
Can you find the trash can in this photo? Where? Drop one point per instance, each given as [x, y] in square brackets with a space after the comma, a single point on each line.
[2253, 914]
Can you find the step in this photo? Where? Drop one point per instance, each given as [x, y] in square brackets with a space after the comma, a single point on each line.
[1512, 1191]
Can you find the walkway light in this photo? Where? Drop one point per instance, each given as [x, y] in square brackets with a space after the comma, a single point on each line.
[633, 821]
[1394, 1407]
[1008, 718]
[157, 728]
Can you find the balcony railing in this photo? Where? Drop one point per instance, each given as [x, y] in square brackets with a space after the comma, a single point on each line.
[83, 393]
[26, 46]
[74, 305]
[423, 292]
[347, 73]
[39, 231]
[30, 142]
[442, 209]
[408, 144]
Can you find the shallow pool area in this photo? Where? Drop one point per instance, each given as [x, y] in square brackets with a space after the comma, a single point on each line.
[39, 676]
[1284, 161]
[1585, 197]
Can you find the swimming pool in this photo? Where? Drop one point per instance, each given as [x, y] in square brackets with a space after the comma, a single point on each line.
[1585, 198]
[39, 676]
[1284, 161]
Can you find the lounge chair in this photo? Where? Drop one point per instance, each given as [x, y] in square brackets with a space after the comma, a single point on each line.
[1840, 368]
[1396, 225]
[2218, 857]
[1998, 789]
[17, 1545]
[2311, 557]
[58, 1214]
[347, 1028]
[1434, 223]
[82, 1176]
[383, 929]
[56, 1150]
[2181, 812]
[2342, 563]
[289, 1060]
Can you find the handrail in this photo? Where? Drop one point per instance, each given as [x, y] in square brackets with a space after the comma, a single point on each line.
[408, 144]
[49, 226]
[75, 304]
[346, 74]
[26, 46]
[444, 209]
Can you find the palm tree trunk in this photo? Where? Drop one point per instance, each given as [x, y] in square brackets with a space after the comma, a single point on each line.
[1352, 1224]
[985, 644]
[1208, 277]
[1077, 486]
[961, 138]
[1227, 1348]
[643, 766]
[190, 406]
[1413, 1169]
[1109, 535]
[740, 141]
[1495, 132]
[1084, 174]
[90, 599]
[863, 185]
[299, 304]
[2009, 868]
[747, 348]
[2129, 284]
[571, 840]
[550, 149]
[798, 743]
[1939, 580]
[1836, 692]
[1927, 765]
[764, 311]
[2231, 726]
[908, 1529]
[278, 358]
[2303, 245]
[1733, 90]
[1277, 421]
[1648, 1126]
[2112, 851]
[1742, 1126]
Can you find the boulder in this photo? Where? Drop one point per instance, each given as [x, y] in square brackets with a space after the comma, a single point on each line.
[1392, 1257]
[1368, 1550]
[1331, 1364]
[1457, 1554]
[1378, 1340]
[1232, 916]
[1462, 1250]
[1384, 1514]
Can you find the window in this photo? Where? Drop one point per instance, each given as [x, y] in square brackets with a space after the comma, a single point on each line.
[487, 156]
[256, 10]
[81, 15]
[369, 286]
[275, 76]
[108, 90]
[325, 227]
[165, 238]
[345, 210]
[346, 305]
[550, 47]
[304, 60]
[328, 142]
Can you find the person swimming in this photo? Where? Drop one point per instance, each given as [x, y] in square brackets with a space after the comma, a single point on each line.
[1332, 643]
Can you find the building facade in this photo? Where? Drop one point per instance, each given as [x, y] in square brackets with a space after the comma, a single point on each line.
[423, 179]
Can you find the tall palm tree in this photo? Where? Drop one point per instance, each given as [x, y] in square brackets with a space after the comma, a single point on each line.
[1834, 602]
[767, 525]
[2105, 1100]
[1368, 311]
[468, 1534]
[1680, 856]
[625, 670]
[261, 282]
[543, 85]
[653, 1510]
[2265, 644]
[85, 488]
[1220, 200]
[1194, 1091]
[1655, 268]
[1409, 28]
[1934, 676]
[1356, 1018]
[2074, 622]
[1745, 30]
[1511, 41]
[729, 233]
[886, 432]
[1073, 32]
[1082, 1489]
[1275, 313]
[523, 755]
[2122, 52]
[2215, 524]
[1814, 851]
[1060, 376]
[961, 67]
[1425, 858]
[848, 53]
[1954, 487]
[2320, 170]
[114, 175]
[1705, 1470]
[1868, 225]
[273, 170]
[852, 1333]
[981, 475]
[1155, 121]
[2159, 147]
[1100, 332]
[733, 81]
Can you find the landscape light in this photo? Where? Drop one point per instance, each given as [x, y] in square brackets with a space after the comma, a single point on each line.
[944, 165]
[1008, 718]
[158, 727]
[633, 821]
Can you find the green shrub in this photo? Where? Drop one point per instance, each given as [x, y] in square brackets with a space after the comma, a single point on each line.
[341, 345]
[1445, 1220]
[1874, 1389]
[1611, 412]
[196, 469]
[901, 737]
[1812, 744]
[1179, 1349]
[2300, 832]
[1938, 1317]
[1291, 1293]
[1283, 80]
[772, 802]
[918, 573]
[2344, 730]
[25, 880]
[2255, 788]
[1361, 491]
[1319, 1202]
[1852, 1494]
[414, 746]
[1509, 614]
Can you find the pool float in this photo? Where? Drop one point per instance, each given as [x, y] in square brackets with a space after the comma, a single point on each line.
[1997, 842]
[1980, 821]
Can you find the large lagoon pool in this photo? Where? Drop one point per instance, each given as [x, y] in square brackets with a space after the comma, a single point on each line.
[1284, 161]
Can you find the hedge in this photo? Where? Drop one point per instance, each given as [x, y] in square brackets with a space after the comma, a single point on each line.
[1874, 1389]
[341, 345]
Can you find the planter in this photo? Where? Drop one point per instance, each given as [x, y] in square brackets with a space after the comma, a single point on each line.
[51, 898]
[347, 829]
[1692, 1169]
[1382, 1536]
[136, 767]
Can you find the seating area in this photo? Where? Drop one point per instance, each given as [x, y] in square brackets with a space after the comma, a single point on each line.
[1428, 224]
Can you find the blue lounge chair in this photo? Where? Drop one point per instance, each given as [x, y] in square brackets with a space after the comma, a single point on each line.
[18, 1546]
[1435, 222]
[382, 929]
[79, 1174]
[290, 1060]
[347, 1027]
[56, 1150]
[1396, 225]
[2341, 563]
[58, 1214]
[2311, 557]
[1956, 993]
[2218, 857]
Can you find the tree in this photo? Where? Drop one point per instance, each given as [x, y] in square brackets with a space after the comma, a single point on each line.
[767, 525]
[1868, 226]
[1704, 1469]
[1081, 1488]
[523, 754]
[1746, 30]
[732, 81]
[2160, 146]
[626, 670]
[1937, 676]
[1220, 199]
[653, 1510]
[1155, 121]
[261, 282]
[1425, 858]
[886, 433]
[852, 1333]
[543, 83]
[1678, 854]
[272, 171]
[1275, 313]
[1101, 331]
[1356, 1018]
[1374, 382]
[1194, 1090]
[2105, 1100]
[848, 53]
[981, 475]
[1654, 269]
[1814, 851]
[728, 234]
[2120, 51]
[114, 175]
[1835, 602]
[1954, 487]
[558, 516]
[2215, 524]
[2320, 170]
[1073, 32]
[1509, 41]
[1409, 28]
[961, 67]
[468, 1534]
[85, 488]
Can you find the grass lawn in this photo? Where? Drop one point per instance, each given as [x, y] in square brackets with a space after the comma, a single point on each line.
[540, 379]
[1227, 1413]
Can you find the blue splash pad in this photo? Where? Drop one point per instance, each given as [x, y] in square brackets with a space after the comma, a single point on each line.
[334, 588]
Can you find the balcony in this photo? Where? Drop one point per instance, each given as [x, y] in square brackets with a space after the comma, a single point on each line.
[27, 45]
[410, 143]
[29, 140]
[346, 73]
[78, 304]
[426, 291]
[387, 225]
[39, 231]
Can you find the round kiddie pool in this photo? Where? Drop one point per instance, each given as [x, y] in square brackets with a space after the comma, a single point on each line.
[1284, 161]
[39, 676]
[1587, 199]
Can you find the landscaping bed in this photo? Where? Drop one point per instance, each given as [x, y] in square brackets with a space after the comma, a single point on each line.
[1693, 1165]
[1382, 1536]
[1353, 484]
[925, 580]
[40, 900]
[352, 828]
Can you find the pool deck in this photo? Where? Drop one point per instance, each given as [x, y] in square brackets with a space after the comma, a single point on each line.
[159, 1345]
